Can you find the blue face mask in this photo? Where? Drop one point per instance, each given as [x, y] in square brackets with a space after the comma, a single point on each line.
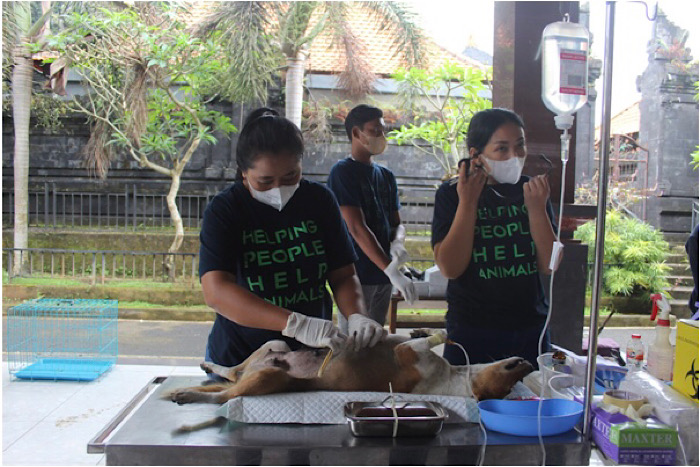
[276, 197]
[507, 171]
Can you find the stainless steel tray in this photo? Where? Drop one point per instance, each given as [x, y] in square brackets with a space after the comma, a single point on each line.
[406, 418]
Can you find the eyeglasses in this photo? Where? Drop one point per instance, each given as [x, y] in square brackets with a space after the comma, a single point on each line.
[376, 131]
[465, 160]
[550, 166]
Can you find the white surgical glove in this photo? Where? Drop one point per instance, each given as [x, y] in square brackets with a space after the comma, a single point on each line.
[397, 249]
[398, 252]
[366, 331]
[314, 332]
[401, 282]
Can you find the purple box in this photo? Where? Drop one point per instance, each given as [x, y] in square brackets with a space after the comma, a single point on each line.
[627, 442]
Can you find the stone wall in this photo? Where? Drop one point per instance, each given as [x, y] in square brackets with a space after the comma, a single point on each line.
[56, 166]
[669, 128]
[57, 158]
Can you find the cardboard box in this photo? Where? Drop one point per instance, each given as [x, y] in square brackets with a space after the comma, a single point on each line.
[628, 442]
[685, 365]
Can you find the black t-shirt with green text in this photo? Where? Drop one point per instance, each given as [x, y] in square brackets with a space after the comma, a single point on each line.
[283, 257]
[501, 287]
[371, 188]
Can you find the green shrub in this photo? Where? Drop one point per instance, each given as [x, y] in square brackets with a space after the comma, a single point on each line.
[634, 255]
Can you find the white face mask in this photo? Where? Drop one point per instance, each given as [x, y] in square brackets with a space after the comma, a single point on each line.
[275, 197]
[507, 171]
[375, 144]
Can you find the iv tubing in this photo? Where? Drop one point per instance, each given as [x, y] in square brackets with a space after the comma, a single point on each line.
[482, 451]
[600, 216]
[565, 138]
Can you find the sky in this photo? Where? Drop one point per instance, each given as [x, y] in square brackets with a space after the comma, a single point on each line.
[453, 23]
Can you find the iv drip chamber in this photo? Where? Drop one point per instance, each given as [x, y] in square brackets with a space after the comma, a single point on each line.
[565, 67]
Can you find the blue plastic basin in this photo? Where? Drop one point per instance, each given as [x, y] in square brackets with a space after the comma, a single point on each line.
[520, 417]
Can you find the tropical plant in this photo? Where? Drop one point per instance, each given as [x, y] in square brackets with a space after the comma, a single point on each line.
[46, 110]
[18, 33]
[676, 53]
[317, 126]
[634, 255]
[264, 37]
[445, 100]
[146, 84]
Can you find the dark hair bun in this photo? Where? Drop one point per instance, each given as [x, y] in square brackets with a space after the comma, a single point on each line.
[257, 114]
[265, 131]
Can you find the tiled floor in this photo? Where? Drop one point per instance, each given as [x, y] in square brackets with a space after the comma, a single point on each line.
[51, 423]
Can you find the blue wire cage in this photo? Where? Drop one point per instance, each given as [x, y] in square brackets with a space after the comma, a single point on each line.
[62, 339]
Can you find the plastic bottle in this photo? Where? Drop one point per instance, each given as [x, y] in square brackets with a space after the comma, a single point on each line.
[660, 358]
[565, 67]
[635, 353]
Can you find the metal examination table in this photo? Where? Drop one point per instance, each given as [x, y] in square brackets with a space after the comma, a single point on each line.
[144, 434]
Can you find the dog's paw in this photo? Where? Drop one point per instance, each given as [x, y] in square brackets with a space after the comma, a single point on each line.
[206, 367]
[428, 332]
[419, 333]
[185, 397]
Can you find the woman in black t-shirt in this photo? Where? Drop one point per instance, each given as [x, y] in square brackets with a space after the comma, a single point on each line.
[268, 245]
[492, 236]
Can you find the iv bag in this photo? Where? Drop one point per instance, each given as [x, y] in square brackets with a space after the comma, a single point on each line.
[564, 67]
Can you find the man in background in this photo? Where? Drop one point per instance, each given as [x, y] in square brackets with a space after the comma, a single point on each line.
[369, 202]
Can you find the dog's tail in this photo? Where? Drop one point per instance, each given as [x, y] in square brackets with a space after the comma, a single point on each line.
[220, 420]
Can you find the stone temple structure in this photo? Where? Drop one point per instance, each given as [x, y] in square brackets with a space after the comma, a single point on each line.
[669, 128]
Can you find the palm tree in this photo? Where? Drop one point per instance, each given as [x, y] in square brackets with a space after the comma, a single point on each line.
[266, 36]
[18, 34]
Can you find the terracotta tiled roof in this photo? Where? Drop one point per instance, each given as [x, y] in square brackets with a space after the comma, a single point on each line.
[197, 11]
[377, 46]
[376, 43]
[44, 55]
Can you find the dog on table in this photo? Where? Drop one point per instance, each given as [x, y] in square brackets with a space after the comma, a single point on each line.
[409, 365]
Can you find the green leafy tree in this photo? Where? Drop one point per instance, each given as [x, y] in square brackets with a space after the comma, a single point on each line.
[634, 258]
[147, 82]
[444, 101]
[265, 37]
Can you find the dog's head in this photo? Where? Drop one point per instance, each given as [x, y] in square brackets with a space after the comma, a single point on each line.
[496, 380]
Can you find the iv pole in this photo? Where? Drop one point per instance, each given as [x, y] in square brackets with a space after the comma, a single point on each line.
[603, 165]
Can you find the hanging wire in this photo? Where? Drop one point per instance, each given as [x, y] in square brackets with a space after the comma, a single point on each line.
[565, 13]
[470, 391]
[646, 9]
